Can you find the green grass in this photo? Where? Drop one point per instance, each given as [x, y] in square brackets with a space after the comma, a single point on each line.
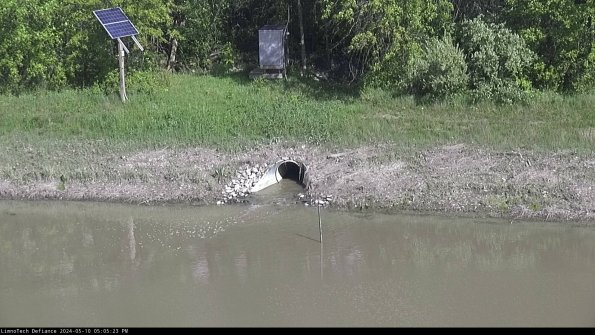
[233, 111]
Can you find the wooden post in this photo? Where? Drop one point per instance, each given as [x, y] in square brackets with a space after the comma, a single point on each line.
[172, 54]
[123, 96]
[302, 43]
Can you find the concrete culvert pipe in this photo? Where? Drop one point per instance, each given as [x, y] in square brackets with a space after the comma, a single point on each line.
[283, 169]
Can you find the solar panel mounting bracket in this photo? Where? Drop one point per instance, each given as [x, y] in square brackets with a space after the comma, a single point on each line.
[137, 43]
[123, 45]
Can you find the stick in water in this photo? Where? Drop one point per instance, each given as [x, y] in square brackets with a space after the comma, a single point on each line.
[321, 244]
[319, 222]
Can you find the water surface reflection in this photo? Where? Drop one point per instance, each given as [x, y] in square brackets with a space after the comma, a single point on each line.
[85, 264]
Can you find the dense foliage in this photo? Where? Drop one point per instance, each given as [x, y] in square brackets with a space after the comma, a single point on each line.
[440, 71]
[498, 50]
[497, 60]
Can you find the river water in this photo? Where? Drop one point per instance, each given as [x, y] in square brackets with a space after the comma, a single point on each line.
[112, 265]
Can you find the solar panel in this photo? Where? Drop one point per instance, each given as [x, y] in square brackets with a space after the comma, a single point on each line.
[115, 22]
[121, 29]
[110, 15]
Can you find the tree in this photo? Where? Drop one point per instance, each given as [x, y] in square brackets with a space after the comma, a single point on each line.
[467, 10]
[302, 42]
[561, 32]
[199, 30]
[29, 45]
[440, 71]
[52, 43]
[497, 60]
[382, 36]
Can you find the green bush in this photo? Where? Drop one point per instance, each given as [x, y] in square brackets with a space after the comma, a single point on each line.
[29, 46]
[562, 34]
[225, 60]
[497, 61]
[146, 82]
[440, 71]
[200, 29]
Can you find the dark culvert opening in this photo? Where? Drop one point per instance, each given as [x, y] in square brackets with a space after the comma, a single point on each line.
[293, 171]
[285, 169]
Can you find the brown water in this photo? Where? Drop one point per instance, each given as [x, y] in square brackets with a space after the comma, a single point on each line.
[86, 264]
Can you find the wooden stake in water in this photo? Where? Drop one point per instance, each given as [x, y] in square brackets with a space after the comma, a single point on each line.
[319, 223]
[321, 244]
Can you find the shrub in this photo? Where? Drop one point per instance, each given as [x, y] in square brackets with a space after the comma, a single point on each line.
[497, 61]
[561, 32]
[440, 71]
[147, 82]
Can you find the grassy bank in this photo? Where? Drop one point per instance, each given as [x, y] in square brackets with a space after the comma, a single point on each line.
[521, 161]
[232, 112]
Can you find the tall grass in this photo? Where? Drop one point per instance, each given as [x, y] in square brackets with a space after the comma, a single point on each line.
[234, 111]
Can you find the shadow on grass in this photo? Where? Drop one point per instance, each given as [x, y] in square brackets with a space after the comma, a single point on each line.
[309, 86]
